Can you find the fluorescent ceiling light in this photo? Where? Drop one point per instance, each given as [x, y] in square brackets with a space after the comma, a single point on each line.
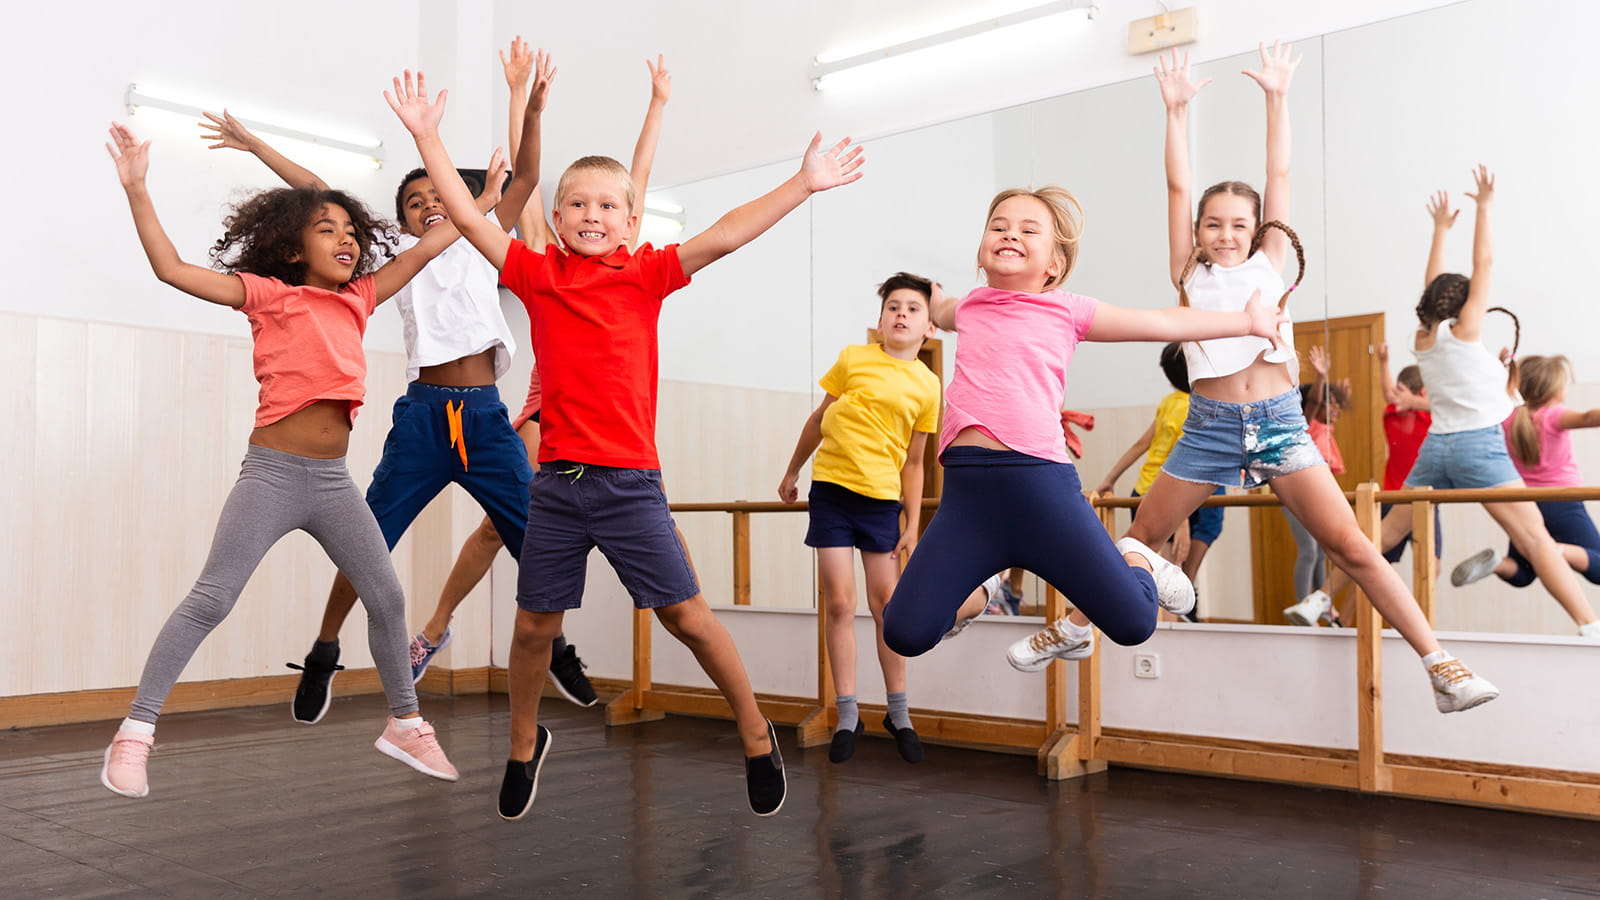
[830, 63]
[372, 150]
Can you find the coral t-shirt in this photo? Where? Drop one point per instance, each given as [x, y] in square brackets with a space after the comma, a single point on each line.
[593, 321]
[307, 343]
[1011, 367]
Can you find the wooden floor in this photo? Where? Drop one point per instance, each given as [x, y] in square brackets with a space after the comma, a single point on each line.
[245, 803]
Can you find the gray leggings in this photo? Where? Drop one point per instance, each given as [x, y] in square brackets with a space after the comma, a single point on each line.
[1310, 564]
[277, 493]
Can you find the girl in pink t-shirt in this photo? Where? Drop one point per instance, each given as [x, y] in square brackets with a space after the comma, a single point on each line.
[1011, 494]
[1539, 436]
[301, 264]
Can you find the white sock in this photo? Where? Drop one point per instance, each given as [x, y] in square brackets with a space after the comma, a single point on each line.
[1078, 632]
[138, 727]
[1434, 658]
[1590, 630]
[408, 724]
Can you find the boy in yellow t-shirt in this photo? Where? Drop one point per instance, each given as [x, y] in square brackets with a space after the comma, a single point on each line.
[868, 437]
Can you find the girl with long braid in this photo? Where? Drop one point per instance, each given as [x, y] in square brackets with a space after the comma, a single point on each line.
[1245, 425]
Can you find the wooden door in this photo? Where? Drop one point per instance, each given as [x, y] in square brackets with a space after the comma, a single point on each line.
[1352, 345]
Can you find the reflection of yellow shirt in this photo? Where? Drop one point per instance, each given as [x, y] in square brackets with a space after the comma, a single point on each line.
[868, 428]
[1174, 408]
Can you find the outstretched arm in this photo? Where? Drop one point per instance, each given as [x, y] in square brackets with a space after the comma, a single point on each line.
[1277, 70]
[536, 233]
[1184, 323]
[810, 439]
[819, 171]
[230, 133]
[644, 151]
[1177, 89]
[133, 161]
[1139, 448]
[1443, 217]
[394, 274]
[1574, 419]
[1469, 322]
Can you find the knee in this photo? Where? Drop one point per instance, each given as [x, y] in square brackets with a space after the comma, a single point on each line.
[906, 636]
[533, 631]
[841, 605]
[689, 621]
[486, 537]
[1352, 548]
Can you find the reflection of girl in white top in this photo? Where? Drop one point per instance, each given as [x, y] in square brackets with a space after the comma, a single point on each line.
[1244, 409]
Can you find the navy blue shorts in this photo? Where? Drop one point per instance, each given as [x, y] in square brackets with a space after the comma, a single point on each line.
[1205, 523]
[841, 517]
[576, 507]
[1394, 553]
[1569, 523]
[419, 461]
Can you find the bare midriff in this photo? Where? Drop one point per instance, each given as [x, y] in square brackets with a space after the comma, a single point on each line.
[972, 436]
[468, 371]
[1260, 380]
[320, 431]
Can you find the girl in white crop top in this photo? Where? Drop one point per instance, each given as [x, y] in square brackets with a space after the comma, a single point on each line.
[1240, 387]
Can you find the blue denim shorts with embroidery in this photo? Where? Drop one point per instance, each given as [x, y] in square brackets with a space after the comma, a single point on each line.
[1242, 444]
[1464, 459]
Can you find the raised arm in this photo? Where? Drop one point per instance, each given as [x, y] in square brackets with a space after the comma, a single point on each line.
[535, 232]
[1277, 70]
[644, 151]
[133, 161]
[1177, 89]
[810, 440]
[1390, 395]
[1443, 218]
[1137, 450]
[1184, 323]
[229, 133]
[819, 171]
[394, 274]
[1469, 322]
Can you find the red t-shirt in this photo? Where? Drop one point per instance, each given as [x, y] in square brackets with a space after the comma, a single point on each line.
[593, 322]
[1405, 431]
[307, 343]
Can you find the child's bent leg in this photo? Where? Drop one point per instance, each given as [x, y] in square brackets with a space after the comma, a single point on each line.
[882, 572]
[472, 563]
[955, 555]
[1168, 503]
[259, 510]
[529, 665]
[839, 594]
[1523, 524]
[697, 628]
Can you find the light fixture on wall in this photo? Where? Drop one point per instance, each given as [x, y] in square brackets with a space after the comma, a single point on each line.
[373, 150]
[662, 215]
[833, 62]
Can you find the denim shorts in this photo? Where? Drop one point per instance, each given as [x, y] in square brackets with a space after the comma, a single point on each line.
[841, 517]
[1242, 444]
[576, 507]
[1464, 459]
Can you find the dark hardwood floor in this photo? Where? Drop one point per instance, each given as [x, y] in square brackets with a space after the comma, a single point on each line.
[245, 803]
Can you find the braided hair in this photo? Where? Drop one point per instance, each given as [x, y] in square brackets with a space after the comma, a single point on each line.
[1255, 244]
[1442, 301]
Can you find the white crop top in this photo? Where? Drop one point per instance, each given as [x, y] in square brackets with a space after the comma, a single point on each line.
[1466, 383]
[451, 309]
[1228, 290]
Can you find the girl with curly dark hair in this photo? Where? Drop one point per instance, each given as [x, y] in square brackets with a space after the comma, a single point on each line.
[300, 264]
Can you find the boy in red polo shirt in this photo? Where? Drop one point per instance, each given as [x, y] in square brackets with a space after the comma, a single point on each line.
[593, 308]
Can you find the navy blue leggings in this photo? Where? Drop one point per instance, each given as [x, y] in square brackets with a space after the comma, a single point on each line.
[1569, 523]
[1004, 509]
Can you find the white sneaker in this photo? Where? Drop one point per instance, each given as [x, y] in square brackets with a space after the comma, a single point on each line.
[991, 586]
[1476, 567]
[1455, 688]
[1310, 610]
[1173, 590]
[1591, 630]
[1035, 651]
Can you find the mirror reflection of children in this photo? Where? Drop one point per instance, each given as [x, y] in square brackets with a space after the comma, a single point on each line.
[1539, 436]
[1196, 535]
[869, 436]
[1321, 401]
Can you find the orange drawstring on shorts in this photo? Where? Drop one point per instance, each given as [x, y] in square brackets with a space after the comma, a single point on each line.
[458, 435]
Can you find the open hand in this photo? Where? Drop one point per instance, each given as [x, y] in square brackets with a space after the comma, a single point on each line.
[544, 74]
[1383, 352]
[1265, 319]
[494, 177]
[519, 66]
[132, 158]
[1484, 179]
[410, 102]
[227, 132]
[1439, 209]
[788, 490]
[1277, 68]
[840, 165]
[1318, 358]
[660, 79]
[1177, 87]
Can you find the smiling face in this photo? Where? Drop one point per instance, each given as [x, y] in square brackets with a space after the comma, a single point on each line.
[904, 321]
[1018, 250]
[420, 207]
[591, 216]
[1225, 229]
[329, 248]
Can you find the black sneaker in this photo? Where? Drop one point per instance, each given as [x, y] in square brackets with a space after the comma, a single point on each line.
[522, 780]
[567, 669]
[312, 697]
[844, 743]
[763, 778]
[905, 740]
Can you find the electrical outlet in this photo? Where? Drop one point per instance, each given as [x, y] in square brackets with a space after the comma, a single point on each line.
[1170, 29]
[1146, 665]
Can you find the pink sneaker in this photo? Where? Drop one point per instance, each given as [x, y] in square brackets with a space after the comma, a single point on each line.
[124, 768]
[416, 747]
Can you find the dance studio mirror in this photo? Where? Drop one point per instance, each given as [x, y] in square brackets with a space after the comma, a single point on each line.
[1382, 116]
